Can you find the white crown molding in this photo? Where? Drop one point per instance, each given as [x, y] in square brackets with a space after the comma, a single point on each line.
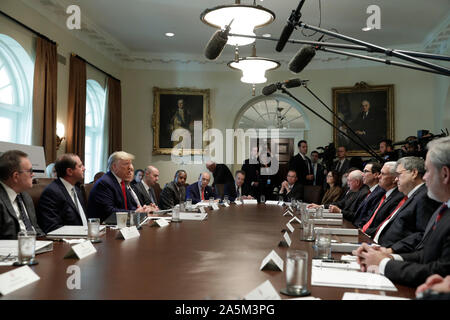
[95, 37]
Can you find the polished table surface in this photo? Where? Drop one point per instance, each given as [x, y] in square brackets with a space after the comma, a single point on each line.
[218, 258]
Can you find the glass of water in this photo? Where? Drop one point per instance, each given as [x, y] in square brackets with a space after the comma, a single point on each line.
[226, 199]
[94, 230]
[176, 214]
[188, 204]
[319, 213]
[26, 247]
[211, 201]
[262, 199]
[296, 273]
[322, 247]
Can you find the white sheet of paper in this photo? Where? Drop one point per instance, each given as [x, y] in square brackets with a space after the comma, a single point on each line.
[287, 238]
[271, 202]
[132, 232]
[265, 291]
[250, 201]
[339, 231]
[328, 215]
[81, 250]
[280, 203]
[290, 227]
[344, 247]
[368, 296]
[274, 259]
[15, 279]
[334, 265]
[215, 206]
[193, 216]
[333, 277]
[160, 223]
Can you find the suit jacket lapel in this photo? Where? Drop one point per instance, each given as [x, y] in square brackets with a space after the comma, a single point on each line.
[66, 194]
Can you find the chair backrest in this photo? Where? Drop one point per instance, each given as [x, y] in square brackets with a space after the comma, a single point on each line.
[87, 189]
[312, 194]
[220, 188]
[39, 184]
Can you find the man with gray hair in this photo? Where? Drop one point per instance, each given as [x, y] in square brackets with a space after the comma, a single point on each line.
[110, 193]
[200, 190]
[432, 253]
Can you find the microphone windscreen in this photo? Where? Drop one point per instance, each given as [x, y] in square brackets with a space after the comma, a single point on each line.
[215, 45]
[293, 83]
[302, 58]
[287, 31]
[268, 90]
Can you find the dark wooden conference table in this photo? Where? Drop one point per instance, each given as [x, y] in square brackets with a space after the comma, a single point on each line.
[218, 258]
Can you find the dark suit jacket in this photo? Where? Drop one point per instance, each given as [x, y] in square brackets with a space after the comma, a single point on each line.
[433, 257]
[230, 191]
[368, 206]
[320, 175]
[351, 201]
[404, 232]
[345, 166]
[297, 193]
[222, 175]
[56, 207]
[385, 210]
[301, 167]
[193, 193]
[9, 224]
[142, 194]
[106, 198]
[252, 172]
[171, 195]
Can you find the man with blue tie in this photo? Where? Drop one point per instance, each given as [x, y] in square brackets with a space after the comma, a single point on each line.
[110, 193]
[16, 207]
[200, 190]
[62, 202]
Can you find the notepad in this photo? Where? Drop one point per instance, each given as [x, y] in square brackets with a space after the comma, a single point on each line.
[193, 216]
[337, 222]
[70, 232]
[339, 231]
[11, 247]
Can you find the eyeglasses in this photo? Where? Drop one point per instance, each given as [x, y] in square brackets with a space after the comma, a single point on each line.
[30, 171]
[401, 172]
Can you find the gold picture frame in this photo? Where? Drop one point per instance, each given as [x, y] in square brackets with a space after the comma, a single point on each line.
[166, 116]
[373, 126]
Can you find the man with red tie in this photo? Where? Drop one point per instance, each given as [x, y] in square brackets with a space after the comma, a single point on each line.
[110, 193]
[432, 254]
[201, 191]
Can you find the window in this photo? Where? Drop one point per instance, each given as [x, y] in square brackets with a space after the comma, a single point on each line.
[95, 142]
[16, 83]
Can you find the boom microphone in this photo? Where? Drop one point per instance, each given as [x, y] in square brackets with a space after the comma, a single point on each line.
[292, 83]
[215, 45]
[302, 58]
[289, 27]
[271, 88]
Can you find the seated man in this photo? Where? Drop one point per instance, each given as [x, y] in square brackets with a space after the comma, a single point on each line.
[145, 189]
[200, 191]
[432, 254]
[238, 189]
[291, 189]
[174, 192]
[62, 201]
[110, 194]
[16, 206]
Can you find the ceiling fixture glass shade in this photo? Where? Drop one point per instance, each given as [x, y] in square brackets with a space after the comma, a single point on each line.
[245, 19]
[254, 68]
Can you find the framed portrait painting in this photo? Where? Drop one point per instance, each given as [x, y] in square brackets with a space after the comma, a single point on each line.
[368, 111]
[178, 108]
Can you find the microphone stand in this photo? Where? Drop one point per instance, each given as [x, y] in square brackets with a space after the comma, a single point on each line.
[368, 150]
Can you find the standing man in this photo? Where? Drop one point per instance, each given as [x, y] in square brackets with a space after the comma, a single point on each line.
[251, 167]
[342, 164]
[16, 206]
[200, 190]
[145, 189]
[318, 169]
[174, 192]
[301, 164]
[62, 202]
[221, 174]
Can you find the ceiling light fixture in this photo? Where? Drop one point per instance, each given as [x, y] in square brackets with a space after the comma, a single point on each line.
[245, 19]
[169, 34]
[254, 68]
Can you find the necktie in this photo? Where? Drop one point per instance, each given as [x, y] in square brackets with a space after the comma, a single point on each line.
[124, 193]
[368, 193]
[23, 215]
[338, 166]
[439, 216]
[367, 225]
[203, 194]
[238, 192]
[152, 199]
[395, 210]
[80, 210]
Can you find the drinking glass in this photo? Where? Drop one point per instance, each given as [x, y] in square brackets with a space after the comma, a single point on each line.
[26, 247]
[94, 230]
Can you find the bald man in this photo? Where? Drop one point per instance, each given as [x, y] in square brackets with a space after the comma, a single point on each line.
[145, 189]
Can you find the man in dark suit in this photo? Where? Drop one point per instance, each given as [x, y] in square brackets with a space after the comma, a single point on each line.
[200, 190]
[371, 176]
[364, 125]
[290, 188]
[238, 189]
[301, 164]
[16, 206]
[370, 221]
[251, 167]
[403, 229]
[174, 192]
[220, 172]
[62, 201]
[110, 193]
[341, 164]
[432, 254]
[144, 190]
[355, 195]
[318, 170]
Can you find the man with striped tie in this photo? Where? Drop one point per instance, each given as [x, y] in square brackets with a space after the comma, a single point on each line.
[432, 253]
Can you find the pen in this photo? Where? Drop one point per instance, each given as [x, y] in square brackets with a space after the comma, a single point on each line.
[334, 261]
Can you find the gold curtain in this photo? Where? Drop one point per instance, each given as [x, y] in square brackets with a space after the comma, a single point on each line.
[114, 115]
[76, 114]
[44, 98]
